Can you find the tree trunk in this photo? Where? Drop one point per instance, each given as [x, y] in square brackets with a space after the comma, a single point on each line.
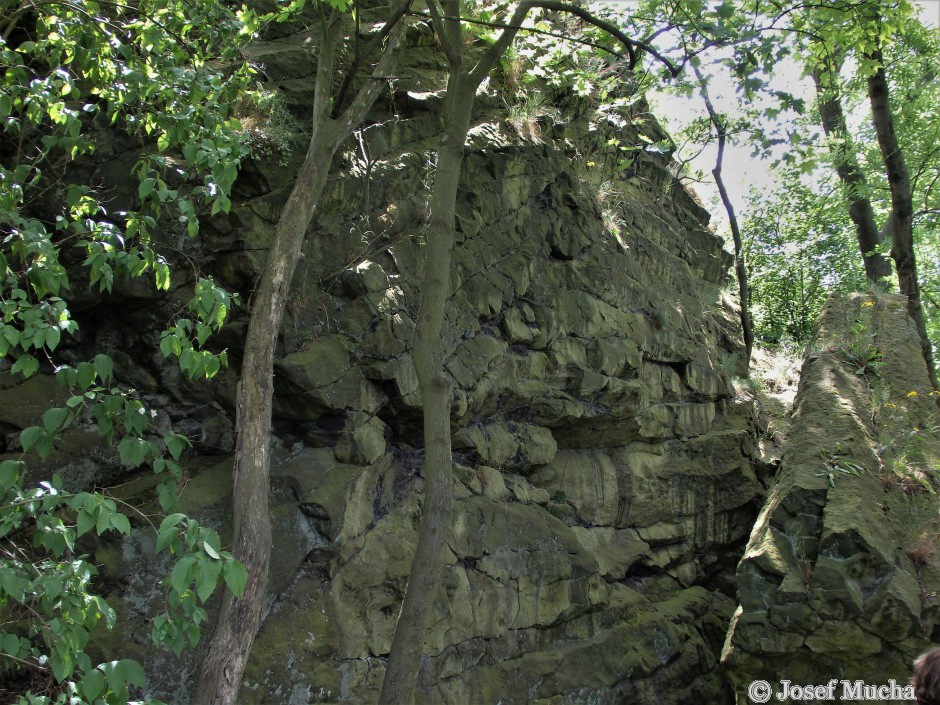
[902, 205]
[877, 266]
[402, 673]
[239, 619]
[220, 677]
[740, 262]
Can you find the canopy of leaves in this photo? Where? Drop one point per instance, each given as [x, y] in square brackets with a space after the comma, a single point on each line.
[800, 239]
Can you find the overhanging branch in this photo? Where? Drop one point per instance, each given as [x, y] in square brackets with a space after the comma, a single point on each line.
[631, 45]
[360, 59]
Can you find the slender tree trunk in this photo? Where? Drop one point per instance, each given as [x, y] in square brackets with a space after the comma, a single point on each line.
[902, 204]
[402, 673]
[740, 262]
[220, 677]
[239, 619]
[877, 266]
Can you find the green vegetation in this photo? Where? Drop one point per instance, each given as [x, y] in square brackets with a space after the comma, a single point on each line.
[846, 164]
[163, 74]
[169, 78]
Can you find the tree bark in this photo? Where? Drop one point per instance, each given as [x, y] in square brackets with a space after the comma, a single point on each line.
[221, 673]
[740, 261]
[401, 674]
[902, 204]
[436, 393]
[877, 266]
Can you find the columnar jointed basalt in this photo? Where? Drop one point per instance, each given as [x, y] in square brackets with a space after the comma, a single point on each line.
[833, 583]
[605, 483]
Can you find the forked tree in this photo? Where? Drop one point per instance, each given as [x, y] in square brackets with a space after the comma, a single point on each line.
[464, 78]
[221, 673]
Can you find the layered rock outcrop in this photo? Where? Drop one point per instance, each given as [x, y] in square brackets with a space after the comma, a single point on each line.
[605, 485]
[838, 579]
[605, 489]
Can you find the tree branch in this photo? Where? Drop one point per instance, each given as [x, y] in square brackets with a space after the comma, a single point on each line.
[367, 52]
[496, 50]
[365, 99]
[631, 45]
[529, 30]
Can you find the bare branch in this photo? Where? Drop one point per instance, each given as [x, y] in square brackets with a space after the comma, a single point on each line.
[362, 103]
[360, 59]
[452, 52]
[530, 30]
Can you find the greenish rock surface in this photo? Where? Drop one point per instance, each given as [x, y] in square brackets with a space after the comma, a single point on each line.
[603, 482]
[830, 584]
[604, 468]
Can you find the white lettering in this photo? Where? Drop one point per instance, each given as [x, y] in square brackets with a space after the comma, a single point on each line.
[852, 691]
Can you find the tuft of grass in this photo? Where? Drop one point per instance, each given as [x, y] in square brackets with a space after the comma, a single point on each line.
[923, 548]
[524, 116]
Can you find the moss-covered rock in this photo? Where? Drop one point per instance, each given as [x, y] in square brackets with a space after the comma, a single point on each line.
[827, 581]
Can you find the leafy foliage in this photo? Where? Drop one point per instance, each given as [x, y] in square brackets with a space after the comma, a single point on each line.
[165, 73]
[800, 249]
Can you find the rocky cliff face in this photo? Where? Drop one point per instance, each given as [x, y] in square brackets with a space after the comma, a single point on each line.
[606, 489]
[838, 580]
[605, 482]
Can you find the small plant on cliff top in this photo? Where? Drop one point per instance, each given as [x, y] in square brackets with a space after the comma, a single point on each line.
[836, 464]
[904, 447]
[860, 347]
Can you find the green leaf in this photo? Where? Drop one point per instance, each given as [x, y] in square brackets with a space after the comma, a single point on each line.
[85, 522]
[92, 685]
[86, 374]
[122, 673]
[180, 578]
[236, 577]
[121, 523]
[166, 491]
[166, 537]
[145, 188]
[53, 418]
[61, 662]
[175, 444]
[103, 522]
[26, 364]
[29, 437]
[133, 451]
[52, 338]
[9, 474]
[104, 366]
[207, 577]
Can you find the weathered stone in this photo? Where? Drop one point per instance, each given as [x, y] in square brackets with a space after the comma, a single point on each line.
[602, 473]
[322, 378]
[845, 639]
[588, 480]
[615, 550]
[826, 559]
[362, 441]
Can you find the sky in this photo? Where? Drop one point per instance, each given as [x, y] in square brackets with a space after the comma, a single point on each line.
[741, 171]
